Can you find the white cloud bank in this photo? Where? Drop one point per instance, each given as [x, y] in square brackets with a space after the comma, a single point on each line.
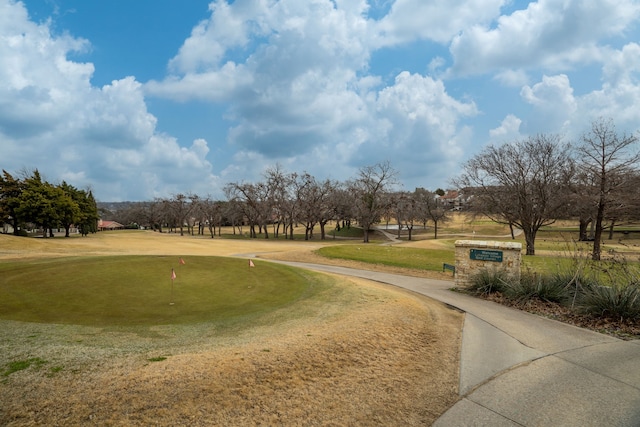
[296, 81]
[53, 119]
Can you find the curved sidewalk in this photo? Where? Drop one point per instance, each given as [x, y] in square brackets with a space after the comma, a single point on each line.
[518, 369]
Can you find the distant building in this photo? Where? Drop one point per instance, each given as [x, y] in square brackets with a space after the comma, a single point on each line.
[453, 200]
[105, 225]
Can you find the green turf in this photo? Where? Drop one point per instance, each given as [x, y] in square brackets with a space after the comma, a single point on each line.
[137, 290]
[420, 259]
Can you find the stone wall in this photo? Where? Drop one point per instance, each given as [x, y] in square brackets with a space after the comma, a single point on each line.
[473, 256]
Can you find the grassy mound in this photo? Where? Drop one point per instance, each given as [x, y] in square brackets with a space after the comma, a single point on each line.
[138, 290]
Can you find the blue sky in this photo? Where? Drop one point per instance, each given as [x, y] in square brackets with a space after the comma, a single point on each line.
[149, 98]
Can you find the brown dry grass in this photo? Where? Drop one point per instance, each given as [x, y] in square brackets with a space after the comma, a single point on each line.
[372, 355]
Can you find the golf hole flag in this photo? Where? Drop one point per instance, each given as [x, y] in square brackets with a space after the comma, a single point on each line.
[251, 264]
[173, 275]
[181, 261]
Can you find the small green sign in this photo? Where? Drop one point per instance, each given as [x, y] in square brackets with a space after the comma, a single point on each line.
[486, 255]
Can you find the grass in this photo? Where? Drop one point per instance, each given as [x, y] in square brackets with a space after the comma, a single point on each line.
[414, 258]
[20, 365]
[138, 290]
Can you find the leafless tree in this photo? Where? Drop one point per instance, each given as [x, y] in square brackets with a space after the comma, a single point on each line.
[212, 213]
[343, 205]
[315, 204]
[256, 203]
[432, 207]
[180, 207]
[233, 211]
[521, 183]
[610, 159]
[406, 209]
[278, 183]
[369, 189]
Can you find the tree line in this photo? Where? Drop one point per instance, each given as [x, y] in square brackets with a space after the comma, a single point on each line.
[282, 201]
[31, 202]
[527, 184]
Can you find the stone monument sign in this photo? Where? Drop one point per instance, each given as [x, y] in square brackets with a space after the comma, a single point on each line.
[473, 256]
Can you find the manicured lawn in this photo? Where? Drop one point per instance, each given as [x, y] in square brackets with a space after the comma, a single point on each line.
[420, 259]
[137, 290]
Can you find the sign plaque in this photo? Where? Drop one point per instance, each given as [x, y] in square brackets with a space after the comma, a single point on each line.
[485, 255]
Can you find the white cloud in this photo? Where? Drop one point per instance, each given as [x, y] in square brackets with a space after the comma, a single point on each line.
[554, 102]
[552, 34]
[296, 84]
[420, 128]
[509, 129]
[557, 109]
[620, 91]
[438, 20]
[288, 39]
[512, 78]
[622, 66]
[230, 26]
[303, 91]
[53, 119]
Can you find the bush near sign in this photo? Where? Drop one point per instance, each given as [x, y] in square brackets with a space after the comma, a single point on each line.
[485, 255]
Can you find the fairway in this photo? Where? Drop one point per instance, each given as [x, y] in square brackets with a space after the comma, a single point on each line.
[138, 290]
[88, 335]
[395, 256]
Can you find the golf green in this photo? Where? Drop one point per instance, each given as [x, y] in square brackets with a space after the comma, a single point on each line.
[143, 290]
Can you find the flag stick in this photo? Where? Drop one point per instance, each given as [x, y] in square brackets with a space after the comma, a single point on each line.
[173, 277]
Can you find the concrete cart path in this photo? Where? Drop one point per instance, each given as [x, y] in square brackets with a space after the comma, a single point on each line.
[519, 369]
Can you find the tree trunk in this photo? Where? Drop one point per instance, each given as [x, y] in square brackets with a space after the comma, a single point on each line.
[584, 223]
[613, 223]
[530, 239]
[597, 237]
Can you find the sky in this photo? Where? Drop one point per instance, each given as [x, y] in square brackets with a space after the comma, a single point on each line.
[151, 98]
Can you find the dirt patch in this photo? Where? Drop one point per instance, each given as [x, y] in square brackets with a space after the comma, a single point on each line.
[389, 357]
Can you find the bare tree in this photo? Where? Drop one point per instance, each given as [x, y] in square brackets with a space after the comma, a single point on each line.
[278, 183]
[433, 208]
[343, 206]
[212, 213]
[406, 211]
[179, 208]
[256, 203]
[369, 189]
[521, 183]
[233, 211]
[609, 158]
[315, 204]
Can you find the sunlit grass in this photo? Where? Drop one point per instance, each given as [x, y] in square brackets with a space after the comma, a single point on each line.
[138, 290]
[414, 258]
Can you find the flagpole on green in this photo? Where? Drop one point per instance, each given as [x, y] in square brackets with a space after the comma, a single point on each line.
[173, 277]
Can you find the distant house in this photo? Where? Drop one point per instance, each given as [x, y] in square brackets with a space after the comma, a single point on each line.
[453, 200]
[105, 225]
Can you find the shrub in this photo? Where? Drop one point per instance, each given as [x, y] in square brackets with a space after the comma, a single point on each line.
[554, 288]
[616, 301]
[488, 281]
